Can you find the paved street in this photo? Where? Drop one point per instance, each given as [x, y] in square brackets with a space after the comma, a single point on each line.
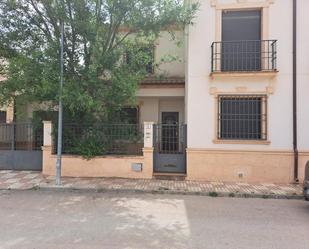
[54, 219]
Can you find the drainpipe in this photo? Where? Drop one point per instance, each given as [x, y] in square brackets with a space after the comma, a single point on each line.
[295, 147]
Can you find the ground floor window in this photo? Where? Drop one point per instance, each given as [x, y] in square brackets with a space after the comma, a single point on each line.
[2, 117]
[242, 117]
[126, 115]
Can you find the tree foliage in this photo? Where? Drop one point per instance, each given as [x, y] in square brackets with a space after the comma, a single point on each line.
[98, 33]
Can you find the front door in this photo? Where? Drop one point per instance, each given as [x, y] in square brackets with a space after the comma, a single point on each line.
[170, 144]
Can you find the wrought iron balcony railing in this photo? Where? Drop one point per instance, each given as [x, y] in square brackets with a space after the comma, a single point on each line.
[244, 56]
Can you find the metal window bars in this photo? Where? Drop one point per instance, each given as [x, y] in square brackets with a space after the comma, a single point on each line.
[170, 138]
[244, 56]
[242, 117]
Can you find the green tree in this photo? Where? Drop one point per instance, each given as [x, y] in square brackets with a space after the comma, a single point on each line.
[98, 33]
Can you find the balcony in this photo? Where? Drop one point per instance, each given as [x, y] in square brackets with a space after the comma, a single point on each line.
[244, 58]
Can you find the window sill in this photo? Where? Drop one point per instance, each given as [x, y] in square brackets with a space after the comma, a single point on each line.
[259, 142]
[269, 74]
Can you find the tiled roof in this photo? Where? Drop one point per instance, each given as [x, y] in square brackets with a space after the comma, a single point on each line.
[171, 80]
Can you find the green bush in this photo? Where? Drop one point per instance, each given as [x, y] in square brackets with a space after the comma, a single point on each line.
[213, 194]
[89, 147]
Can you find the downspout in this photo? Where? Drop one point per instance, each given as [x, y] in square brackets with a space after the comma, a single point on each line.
[295, 147]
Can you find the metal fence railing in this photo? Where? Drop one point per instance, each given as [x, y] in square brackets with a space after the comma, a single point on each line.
[101, 139]
[21, 136]
[240, 56]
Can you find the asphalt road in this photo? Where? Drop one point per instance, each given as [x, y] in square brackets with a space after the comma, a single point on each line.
[43, 219]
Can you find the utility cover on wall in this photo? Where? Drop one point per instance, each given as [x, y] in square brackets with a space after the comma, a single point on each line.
[137, 167]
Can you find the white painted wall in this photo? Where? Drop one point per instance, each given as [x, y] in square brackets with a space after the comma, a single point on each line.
[150, 109]
[172, 105]
[303, 74]
[201, 104]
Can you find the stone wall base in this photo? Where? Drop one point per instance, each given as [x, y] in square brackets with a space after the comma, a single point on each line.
[107, 166]
[243, 166]
[202, 164]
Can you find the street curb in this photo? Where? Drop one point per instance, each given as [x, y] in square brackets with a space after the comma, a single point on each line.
[165, 191]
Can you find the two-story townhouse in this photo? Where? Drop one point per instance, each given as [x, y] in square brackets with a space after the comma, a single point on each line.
[247, 110]
[160, 100]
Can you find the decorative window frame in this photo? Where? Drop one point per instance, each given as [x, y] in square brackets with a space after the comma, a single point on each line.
[239, 91]
[242, 5]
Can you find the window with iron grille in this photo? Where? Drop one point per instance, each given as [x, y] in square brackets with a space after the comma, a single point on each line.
[242, 117]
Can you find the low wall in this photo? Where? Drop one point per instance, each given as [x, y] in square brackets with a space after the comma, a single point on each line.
[243, 166]
[103, 166]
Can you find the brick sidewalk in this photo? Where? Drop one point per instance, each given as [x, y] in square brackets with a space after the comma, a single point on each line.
[23, 180]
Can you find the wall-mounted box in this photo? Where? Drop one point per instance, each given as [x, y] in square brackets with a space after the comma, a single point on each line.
[137, 167]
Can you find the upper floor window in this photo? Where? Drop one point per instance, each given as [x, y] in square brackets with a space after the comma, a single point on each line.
[242, 117]
[241, 36]
[142, 57]
[241, 47]
[241, 25]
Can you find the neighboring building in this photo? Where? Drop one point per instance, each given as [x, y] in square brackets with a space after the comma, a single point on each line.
[6, 112]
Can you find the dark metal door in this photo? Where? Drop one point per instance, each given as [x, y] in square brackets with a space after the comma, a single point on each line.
[170, 145]
[241, 40]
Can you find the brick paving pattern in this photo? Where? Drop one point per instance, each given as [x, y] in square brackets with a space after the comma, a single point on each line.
[23, 180]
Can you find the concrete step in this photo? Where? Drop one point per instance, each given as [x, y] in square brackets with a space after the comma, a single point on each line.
[169, 176]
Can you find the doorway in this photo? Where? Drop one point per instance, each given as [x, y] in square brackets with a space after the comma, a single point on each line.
[170, 144]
